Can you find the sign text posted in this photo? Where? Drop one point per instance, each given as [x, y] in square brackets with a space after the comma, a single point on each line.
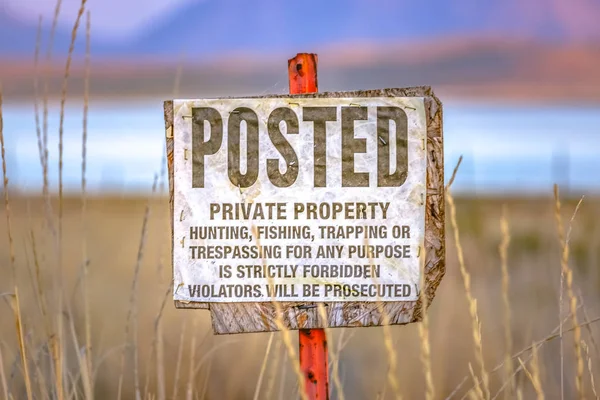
[299, 199]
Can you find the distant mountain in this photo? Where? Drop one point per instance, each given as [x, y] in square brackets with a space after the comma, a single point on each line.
[213, 27]
[268, 25]
[19, 39]
[219, 26]
[466, 68]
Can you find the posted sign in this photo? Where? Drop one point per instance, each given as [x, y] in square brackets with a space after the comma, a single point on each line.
[334, 198]
[299, 199]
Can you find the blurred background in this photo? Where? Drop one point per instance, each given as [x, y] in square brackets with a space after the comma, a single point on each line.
[518, 79]
[520, 84]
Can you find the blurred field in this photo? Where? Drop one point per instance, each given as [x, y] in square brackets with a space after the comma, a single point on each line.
[227, 367]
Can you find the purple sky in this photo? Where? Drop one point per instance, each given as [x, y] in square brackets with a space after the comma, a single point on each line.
[204, 28]
[112, 19]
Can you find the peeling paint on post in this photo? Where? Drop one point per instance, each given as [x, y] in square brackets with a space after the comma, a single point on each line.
[302, 73]
[314, 362]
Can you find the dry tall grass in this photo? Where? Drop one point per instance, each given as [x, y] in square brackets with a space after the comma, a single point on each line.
[113, 228]
[483, 392]
[90, 302]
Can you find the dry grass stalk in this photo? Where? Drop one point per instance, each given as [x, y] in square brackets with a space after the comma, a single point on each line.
[568, 273]
[424, 338]
[3, 376]
[503, 250]
[273, 371]
[586, 318]
[472, 395]
[86, 374]
[158, 342]
[343, 343]
[560, 314]
[11, 257]
[39, 287]
[208, 356]
[554, 334]
[159, 346]
[263, 366]
[178, 75]
[58, 346]
[38, 128]
[534, 381]
[45, 173]
[19, 325]
[476, 392]
[332, 354]
[538, 344]
[467, 284]
[15, 303]
[131, 320]
[281, 326]
[391, 350]
[160, 354]
[40, 300]
[56, 353]
[190, 381]
[53, 339]
[426, 357]
[451, 181]
[282, 383]
[103, 357]
[39, 375]
[519, 393]
[291, 351]
[73, 392]
[45, 116]
[63, 99]
[35, 358]
[84, 252]
[535, 373]
[589, 367]
[11, 246]
[388, 341]
[150, 361]
[179, 358]
[206, 380]
[60, 353]
[476, 328]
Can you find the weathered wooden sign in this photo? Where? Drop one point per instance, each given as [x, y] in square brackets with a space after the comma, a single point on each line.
[331, 197]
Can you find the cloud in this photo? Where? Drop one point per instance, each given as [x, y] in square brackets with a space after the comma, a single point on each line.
[111, 19]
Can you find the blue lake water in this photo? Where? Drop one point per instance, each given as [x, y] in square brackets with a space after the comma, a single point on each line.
[505, 148]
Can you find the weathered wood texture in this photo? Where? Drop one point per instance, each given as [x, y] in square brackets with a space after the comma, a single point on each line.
[260, 317]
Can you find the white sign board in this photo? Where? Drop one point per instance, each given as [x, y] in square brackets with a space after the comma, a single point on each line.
[299, 199]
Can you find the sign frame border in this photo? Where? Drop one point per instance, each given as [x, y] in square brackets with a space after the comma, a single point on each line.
[229, 318]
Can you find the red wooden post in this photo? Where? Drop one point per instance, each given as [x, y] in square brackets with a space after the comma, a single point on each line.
[314, 363]
[302, 72]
